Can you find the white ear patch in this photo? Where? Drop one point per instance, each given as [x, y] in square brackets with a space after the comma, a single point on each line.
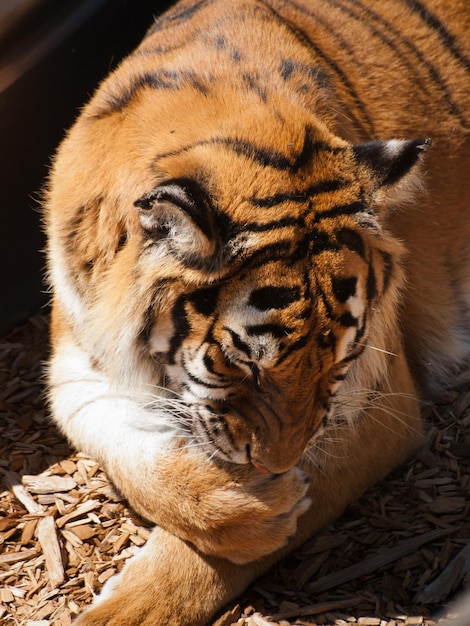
[390, 161]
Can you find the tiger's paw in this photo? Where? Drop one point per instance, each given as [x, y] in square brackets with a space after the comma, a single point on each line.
[248, 520]
[230, 511]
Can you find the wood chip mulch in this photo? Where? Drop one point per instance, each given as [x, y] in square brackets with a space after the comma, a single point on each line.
[397, 557]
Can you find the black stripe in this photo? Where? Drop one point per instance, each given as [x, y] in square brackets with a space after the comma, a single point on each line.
[285, 222]
[160, 79]
[306, 41]
[205, 300]
[203, 383]
[361, 331]
[270, 252]
[347, 320]
[384, 39]
[175, 17]
[435, 24]
[325, 186]
[297, 345]
[210, 435]
[371, 285]
[209, 364]
[273, 297]
[143, 336]
[388, 267]
[261, 155]
[326, 302]
[351, 239]
[341, 209]
[271, 158]
[352, 356]
[288, 67]
[350, 88]
[327, 340]
[238, 342]
[366, 124]
[148, 324]
[343, 288]
[228, 434]
[406, 58]
[181, 328]
[253, 85]
[320, 241]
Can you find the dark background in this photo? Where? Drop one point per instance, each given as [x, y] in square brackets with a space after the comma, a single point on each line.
[53, 53]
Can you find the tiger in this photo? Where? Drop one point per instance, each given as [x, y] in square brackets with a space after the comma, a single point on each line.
[258, 252]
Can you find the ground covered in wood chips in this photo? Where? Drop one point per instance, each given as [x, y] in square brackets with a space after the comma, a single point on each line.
[397, 557]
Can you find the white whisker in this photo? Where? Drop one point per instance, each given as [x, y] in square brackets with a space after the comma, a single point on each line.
[366, 345]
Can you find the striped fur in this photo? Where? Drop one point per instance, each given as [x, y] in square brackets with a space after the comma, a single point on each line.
[256, 259]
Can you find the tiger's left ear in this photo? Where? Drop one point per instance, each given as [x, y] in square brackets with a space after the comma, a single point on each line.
[390, 161]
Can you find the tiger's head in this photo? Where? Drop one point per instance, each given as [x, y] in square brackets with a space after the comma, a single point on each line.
[241, 268]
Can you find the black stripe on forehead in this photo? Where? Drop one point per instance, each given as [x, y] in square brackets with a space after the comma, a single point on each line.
[325, 186]
[118, 98]
[261, 155]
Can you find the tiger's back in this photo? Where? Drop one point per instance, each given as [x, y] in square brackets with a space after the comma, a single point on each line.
[247, 226]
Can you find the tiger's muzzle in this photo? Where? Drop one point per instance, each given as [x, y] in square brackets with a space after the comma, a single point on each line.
[273, 430]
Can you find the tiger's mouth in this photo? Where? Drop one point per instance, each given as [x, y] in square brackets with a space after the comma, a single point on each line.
[256, 464]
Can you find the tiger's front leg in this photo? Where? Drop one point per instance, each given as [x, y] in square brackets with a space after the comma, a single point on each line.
[225, 510]
[170, 583]
[207, 503]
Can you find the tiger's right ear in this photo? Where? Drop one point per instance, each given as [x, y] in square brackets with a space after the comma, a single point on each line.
[390, 161]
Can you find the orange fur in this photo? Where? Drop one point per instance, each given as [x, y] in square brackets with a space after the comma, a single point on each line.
[243, 286]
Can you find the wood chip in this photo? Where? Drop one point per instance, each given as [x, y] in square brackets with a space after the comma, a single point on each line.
[14, 557]
[230, 617]
[48, 484]
[47, 537]
[383, 559]
[445, 583]
[23, 495]
[317, 609]
[258, 620]
[447, 505]
[81, 510]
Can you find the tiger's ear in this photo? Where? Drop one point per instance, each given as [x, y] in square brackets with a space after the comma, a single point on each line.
[390, 161]
[178, 214]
